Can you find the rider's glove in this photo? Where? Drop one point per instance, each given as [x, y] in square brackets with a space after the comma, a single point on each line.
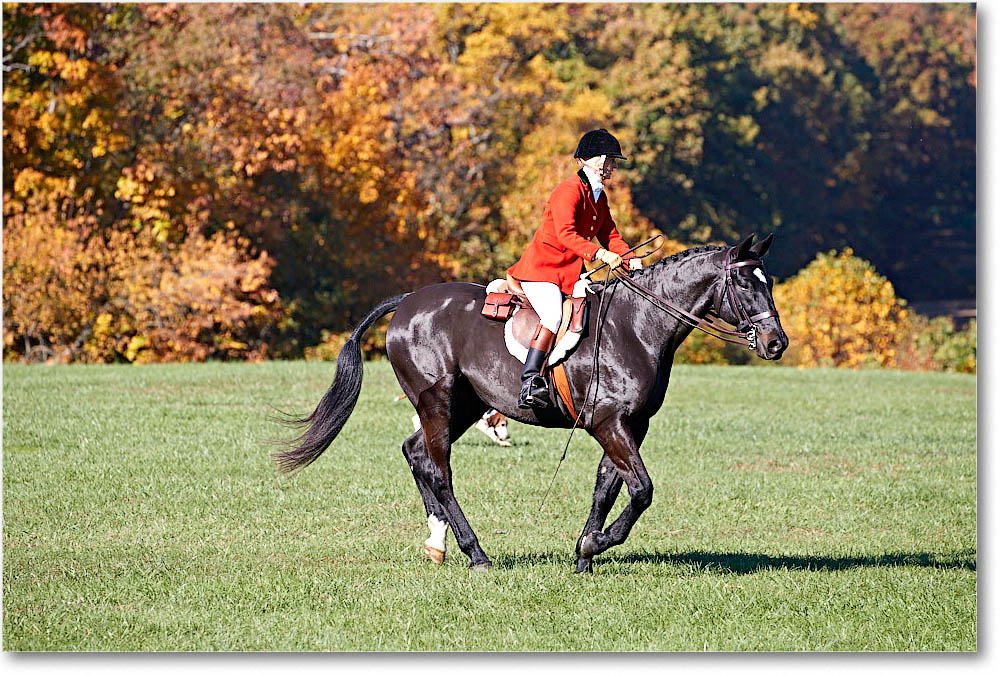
[609, 258]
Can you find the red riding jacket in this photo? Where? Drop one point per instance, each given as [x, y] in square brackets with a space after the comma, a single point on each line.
[562, 243]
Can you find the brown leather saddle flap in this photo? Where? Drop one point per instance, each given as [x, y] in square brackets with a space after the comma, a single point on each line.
[525, 321]
[500, 306]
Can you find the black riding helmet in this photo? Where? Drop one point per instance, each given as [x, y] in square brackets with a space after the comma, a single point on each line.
[598, 142]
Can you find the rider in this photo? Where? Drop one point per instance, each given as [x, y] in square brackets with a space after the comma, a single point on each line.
[576, 211]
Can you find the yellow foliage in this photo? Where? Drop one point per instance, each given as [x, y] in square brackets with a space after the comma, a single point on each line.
[699, 348]
[839, 312]
[801, 15]
[372, 344]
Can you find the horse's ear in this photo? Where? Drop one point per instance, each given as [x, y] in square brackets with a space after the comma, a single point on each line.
[743, 248]
[760, 248]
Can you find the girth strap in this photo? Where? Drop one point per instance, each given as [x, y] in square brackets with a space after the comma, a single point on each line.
[562, 386]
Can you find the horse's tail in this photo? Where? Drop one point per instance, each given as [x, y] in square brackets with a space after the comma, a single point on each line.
[338, 402]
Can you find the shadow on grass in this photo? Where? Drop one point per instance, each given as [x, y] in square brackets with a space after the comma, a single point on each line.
[749, 563]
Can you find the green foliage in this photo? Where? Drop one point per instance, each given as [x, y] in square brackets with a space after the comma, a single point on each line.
[937, 344]
[835, 125]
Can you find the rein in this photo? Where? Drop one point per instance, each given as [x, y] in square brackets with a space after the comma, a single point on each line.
[745, 334]
[601, 314]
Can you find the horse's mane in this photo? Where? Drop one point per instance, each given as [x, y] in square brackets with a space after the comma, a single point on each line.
[681, 255]
[676, 257]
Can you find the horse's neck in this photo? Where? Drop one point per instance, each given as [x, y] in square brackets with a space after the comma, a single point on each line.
[689, 283]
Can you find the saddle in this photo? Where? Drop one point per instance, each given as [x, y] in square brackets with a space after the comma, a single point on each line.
[505, 301]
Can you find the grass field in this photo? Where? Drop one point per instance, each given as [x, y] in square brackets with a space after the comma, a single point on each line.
[794, 510]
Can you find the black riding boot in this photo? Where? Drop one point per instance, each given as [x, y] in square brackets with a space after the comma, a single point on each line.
[534, 392]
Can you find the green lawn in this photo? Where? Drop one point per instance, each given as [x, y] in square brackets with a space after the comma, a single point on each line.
[794, 510]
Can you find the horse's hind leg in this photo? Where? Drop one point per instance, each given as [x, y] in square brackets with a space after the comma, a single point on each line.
[437, 519]
[446, 411]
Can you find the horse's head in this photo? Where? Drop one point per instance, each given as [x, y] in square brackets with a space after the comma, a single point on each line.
[745, 298]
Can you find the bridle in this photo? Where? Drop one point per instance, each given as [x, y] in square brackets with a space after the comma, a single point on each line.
[747, 324]
[744, 333]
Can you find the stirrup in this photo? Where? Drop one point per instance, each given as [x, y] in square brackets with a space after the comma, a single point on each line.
[534, 394]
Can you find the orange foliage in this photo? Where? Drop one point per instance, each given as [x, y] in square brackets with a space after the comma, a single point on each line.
[75, 293]
[104, 260]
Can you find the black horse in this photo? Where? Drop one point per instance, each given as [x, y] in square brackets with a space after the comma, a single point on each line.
[452, 364]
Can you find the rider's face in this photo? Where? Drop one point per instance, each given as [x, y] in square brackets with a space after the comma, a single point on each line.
[602, 165]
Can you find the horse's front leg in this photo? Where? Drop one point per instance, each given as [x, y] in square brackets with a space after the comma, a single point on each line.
[606, 489]
[621, 451]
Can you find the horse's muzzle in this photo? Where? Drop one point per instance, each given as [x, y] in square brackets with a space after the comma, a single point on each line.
[771, 343]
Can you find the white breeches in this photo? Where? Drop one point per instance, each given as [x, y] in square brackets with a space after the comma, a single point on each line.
[546, 298]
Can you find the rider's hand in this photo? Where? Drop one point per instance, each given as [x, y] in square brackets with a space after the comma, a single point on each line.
[635, 263]
[612, 260]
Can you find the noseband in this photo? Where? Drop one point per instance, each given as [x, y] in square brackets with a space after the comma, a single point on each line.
[744, 334]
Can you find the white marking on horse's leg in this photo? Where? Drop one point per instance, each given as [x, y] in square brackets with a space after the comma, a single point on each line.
[416, 422]
[435, 545]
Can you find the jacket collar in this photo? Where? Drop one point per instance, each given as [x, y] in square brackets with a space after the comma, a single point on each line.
[589, 189]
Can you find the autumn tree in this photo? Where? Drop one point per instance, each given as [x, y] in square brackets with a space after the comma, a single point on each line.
[831, 125]
[318, 158]
[90, 269]
[839, 311]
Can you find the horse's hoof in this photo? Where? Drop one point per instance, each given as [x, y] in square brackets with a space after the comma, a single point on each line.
[481, 567]
[584, 566]
[435, 554]
[589, 546]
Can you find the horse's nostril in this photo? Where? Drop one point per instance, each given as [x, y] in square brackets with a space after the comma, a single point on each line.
[774, 346]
